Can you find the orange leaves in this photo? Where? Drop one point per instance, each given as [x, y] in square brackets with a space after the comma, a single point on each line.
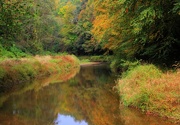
[102, 20]
[81, 14]
[100, 25]
[127, 10]
[106, 26]
[101, 10]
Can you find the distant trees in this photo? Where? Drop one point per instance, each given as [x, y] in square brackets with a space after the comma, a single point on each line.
[77, 17]
[30, 25]
[12, 19]
[43, 29]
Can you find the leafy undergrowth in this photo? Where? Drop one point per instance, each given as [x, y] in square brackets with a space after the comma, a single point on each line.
[18, 71]
[151, 90]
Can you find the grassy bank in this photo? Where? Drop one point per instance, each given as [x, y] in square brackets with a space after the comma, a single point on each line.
[17, 71]
[151, 90]
[100, 58]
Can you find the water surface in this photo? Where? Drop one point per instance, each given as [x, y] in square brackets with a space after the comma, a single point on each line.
[87, 98]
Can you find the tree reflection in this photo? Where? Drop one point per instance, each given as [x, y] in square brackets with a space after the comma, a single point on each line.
[86, 99]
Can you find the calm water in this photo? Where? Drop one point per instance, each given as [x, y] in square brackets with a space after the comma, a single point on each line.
[85, 99]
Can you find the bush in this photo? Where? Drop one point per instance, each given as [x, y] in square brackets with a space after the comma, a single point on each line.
[12, 52]
[17, 52]
[123, 65]
[25, 71]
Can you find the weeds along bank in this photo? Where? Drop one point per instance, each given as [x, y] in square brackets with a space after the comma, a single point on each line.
[149, 89]
[18, 71]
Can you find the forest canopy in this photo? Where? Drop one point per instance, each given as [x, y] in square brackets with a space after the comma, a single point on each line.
[128, 29]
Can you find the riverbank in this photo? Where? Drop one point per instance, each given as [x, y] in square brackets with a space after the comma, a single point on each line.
[94, 60]
[151, 90]
[18, 71]
[91, 63]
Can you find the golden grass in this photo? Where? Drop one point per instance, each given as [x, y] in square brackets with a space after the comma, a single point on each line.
[147, 88]
[18, 71]
[168, 86]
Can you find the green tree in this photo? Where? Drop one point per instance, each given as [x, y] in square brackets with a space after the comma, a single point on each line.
[12, 15]
[33, 26]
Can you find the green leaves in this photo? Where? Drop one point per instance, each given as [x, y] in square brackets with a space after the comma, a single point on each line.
[176, 8]
[149, 33]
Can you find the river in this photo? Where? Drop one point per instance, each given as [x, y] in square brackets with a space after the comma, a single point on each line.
[87, 98]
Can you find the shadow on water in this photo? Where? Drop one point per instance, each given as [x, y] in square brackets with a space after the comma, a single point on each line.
[86, 99]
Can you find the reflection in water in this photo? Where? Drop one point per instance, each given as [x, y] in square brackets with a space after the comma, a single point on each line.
[68, 120]
[86, 99]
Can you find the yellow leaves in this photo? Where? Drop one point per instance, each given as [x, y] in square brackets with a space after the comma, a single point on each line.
[102, 21]
[81, 14]
[56, 3]
[106, 26]
[67, 12]
[100, 25]
[86, 25]
[102, 10]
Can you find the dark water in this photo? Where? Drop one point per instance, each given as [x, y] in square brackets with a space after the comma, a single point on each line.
[86, 99]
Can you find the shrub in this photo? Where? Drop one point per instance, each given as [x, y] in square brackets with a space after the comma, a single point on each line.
[17, 52]
[123, 65]
[12, 52]
[25, 71]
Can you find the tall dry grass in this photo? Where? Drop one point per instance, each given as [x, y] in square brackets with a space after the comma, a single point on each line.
[151, 90]
[18, 71]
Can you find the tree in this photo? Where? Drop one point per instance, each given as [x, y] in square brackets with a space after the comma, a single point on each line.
[133, 29]
[12, 15]
[33, 26]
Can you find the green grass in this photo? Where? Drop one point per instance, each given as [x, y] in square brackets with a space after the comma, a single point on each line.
[101, 58]
[84, 60]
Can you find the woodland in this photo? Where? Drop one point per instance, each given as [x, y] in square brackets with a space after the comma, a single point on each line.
[126, 29]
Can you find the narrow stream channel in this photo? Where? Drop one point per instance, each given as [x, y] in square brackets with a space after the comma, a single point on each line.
[86, 99]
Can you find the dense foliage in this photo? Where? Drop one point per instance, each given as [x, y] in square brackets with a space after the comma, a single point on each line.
[137, 29]
[128, 29]
[31, 26]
